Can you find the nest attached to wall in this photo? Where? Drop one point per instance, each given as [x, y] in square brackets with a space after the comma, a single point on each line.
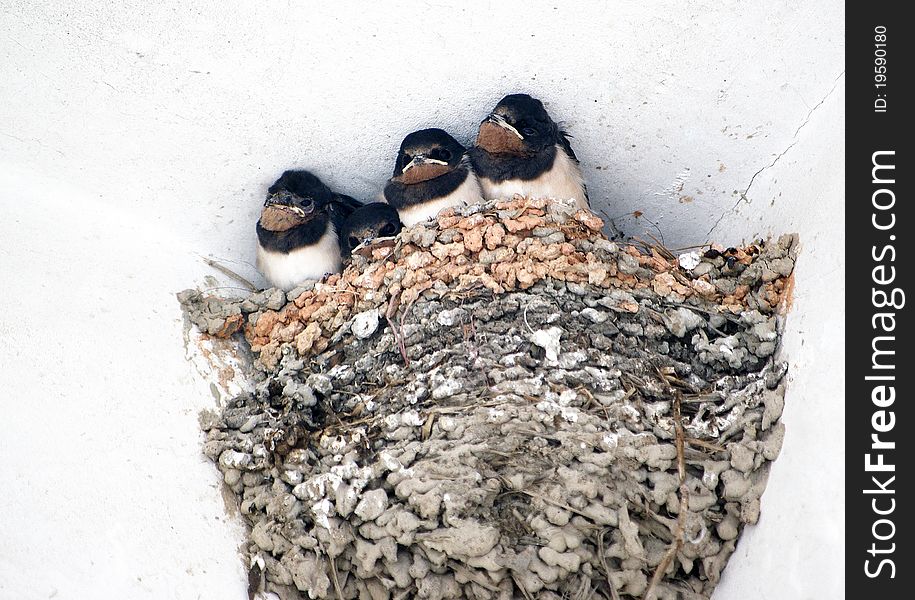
[504, 404]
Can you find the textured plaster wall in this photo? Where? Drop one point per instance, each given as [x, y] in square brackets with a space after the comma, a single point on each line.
[136, 137]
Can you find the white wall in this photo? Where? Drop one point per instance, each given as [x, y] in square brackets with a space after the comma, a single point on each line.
[798, 548]
[135, 137]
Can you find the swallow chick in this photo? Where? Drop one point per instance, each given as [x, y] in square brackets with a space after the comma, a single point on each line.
[520, 150]
[432, 172]
[297, 233]
[367, 223]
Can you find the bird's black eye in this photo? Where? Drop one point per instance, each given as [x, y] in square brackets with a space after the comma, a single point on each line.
[406, 159]
[353, 241]
[443, 154]
[388, 230]
[528, 132]
[307, 204]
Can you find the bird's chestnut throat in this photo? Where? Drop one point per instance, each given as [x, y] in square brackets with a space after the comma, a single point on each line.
[496, 139]
[424, 172]
[280, 217]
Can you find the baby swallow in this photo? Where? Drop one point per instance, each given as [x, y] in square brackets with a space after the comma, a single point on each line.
[367, 223]
[432, 172]
[520, 150]
[297, 231]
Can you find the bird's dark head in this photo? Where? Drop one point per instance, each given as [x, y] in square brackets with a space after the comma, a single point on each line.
[372, 221]
[519, 124]
[294, 199]
[427, 154]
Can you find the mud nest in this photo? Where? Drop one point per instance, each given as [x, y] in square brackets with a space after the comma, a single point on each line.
[505, 404]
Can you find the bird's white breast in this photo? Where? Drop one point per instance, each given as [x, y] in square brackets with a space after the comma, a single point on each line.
[562, 181]
[468, 192]
[287, 270]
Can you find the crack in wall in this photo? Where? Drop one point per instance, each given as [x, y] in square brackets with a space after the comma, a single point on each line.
[794, 140]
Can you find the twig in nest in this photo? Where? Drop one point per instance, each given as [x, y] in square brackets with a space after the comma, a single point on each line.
[640, 244]
[610, 222]
[337, 290]
[673, 380]
[553, 502]
[471, 292]
[677, 543]
[230, 273]
[592, 401]
[427, 426]
[660, 247]
[398, 245]
[655, 225]
[333, 577]
[681, 278]
[223, 287]
[696, 247]
[474, 577]
[396, 330]
[333, 571]
[646, 511]
[701, 398]
[603, 563]
[715, 329]
[398, 335]
[524, 314]
[723, 315]
[469, 333]
[523, 589]
[653, 248]
[704, 444]
[584, 591]
[678, 424]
